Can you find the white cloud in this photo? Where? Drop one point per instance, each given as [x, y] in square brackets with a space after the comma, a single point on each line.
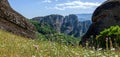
[76, 5]
[47, 1]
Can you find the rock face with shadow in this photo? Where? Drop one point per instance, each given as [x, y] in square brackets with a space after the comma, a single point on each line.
[14, 22]
[69, 25]
[54, 21]
[106, 15]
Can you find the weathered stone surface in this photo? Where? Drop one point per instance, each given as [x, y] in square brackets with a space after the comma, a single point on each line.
[106, 15]
[55, 21]
[14, 22]
[69, 25]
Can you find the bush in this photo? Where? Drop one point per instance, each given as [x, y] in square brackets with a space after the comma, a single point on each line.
[59, 38]
[63, 39]
[47, 33]
[109, 38]
[43, 28]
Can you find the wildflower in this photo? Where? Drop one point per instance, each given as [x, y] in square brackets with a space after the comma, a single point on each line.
[91, 51]
[103, 56]
[36, 46]
[33, 56]
[77, 54]
[106, 39]
[99, 49]
[112, 49]
[98, 54]
[116, 55]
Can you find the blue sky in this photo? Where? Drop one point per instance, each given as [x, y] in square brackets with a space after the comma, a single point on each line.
[34, 8]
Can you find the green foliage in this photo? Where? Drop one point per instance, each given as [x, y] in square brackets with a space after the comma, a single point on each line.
[43, 28]
[109, 37]
[16, 46]
[59, 38]
[46, 33]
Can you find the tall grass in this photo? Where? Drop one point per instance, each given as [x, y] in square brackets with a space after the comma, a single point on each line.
[16, 46]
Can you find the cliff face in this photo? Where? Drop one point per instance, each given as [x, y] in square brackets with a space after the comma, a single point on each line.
[14, 22]
[55, 21]
[106, 15]
[68, 24]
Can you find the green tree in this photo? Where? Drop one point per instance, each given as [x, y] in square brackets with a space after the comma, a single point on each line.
[109, 37]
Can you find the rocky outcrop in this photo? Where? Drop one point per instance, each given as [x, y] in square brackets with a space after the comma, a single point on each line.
[68, 25]
[106, 15]
[14, 22]
[55, 21]
[72, 26]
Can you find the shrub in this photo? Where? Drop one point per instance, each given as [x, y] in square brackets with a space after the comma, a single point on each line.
[47, 33]
[109, 38]
[59, 38]
[43, 28]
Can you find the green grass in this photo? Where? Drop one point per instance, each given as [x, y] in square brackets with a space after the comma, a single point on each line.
[16, 46]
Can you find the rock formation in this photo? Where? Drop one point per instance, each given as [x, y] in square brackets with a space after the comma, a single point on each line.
[106, 15]
[14, 22]
[68, 25]
[55, 21]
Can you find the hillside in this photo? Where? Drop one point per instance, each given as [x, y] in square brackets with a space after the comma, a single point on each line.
[69, 25]
[16, 46]
[12, 21]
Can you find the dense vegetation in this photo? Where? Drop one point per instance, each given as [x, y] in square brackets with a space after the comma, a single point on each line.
[59, 38]
[109, 38]
[43, 28]
[16, 46]
[47, 33]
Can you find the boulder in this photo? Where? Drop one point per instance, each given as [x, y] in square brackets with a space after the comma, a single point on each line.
[106, 15]
[12, 21]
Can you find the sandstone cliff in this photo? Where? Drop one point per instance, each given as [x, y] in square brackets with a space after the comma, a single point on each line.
[14, 22]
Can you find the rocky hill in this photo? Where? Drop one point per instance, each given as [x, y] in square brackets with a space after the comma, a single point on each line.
[106, 15]
[14, 22]
[69, 25]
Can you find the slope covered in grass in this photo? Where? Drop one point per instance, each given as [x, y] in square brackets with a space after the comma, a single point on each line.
[16, 46]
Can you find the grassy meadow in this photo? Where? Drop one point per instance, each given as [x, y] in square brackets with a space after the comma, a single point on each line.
[16, 46]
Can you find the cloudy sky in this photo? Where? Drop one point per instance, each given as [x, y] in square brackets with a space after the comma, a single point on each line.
[33, 8]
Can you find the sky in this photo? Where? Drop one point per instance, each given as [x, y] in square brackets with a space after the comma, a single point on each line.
[34, 8]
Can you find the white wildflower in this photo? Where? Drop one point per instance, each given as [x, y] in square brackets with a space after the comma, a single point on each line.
[36, 46]
[99, 49]
[116, 55]
[99, 54]
[91, 51]
[103, 56]
[113, 49]
[33, 56]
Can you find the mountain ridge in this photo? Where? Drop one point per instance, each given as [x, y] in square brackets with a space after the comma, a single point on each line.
[69, 25]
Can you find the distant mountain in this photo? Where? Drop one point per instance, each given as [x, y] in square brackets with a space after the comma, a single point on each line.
[69, 25]
[84, 17]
